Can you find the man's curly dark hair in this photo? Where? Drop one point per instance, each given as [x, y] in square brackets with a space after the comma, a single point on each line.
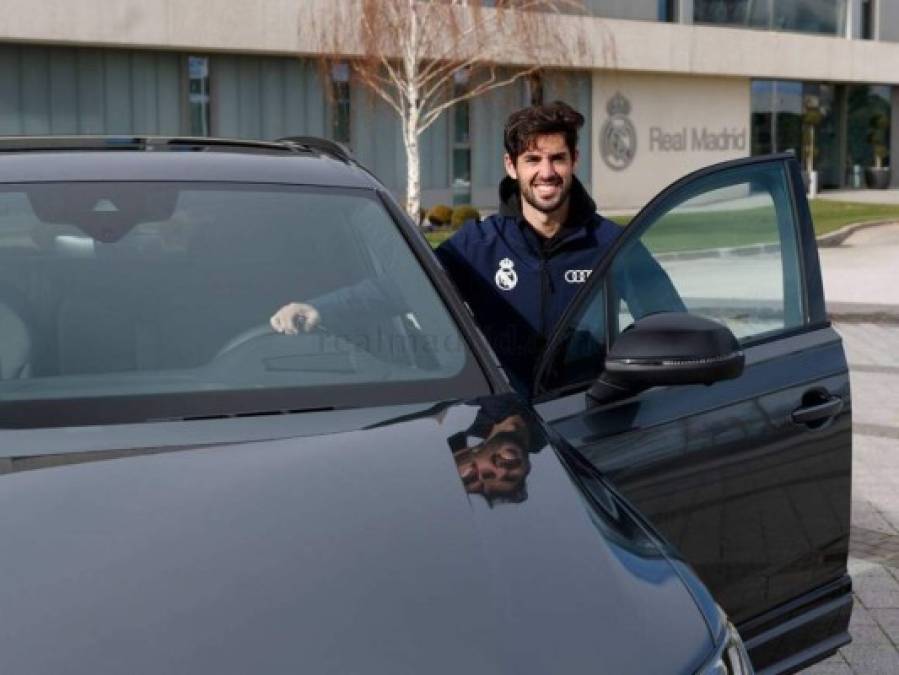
[523, 126]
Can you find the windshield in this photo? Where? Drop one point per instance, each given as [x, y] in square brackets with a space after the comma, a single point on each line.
[138, 301]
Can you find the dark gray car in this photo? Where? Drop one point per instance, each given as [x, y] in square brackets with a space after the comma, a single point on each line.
[187, 491]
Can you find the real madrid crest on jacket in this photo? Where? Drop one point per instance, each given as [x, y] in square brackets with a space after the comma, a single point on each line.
[517, 283]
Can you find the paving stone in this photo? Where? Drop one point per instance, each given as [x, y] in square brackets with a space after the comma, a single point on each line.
[859, 565]
[868, 344]
[866, 517]
[860, 616]
[872, 660]
[888, 621]
[867, 635]
[876, 588]
[835, 665]
[875, 399]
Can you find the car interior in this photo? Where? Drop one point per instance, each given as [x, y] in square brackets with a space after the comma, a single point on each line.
[159, 295]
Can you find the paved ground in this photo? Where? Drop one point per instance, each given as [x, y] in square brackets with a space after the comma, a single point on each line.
[863, 269]
[873, 353]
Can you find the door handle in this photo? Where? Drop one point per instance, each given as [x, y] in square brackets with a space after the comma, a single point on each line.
[817, 412]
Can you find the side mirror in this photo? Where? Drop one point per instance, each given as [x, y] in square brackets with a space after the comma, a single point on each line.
[664, 349]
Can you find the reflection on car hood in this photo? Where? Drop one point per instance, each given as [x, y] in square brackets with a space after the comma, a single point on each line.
[351, 552]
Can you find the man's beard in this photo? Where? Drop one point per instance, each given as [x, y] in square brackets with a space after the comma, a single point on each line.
[529, 195]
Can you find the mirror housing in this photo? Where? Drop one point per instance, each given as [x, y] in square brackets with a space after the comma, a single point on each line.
[665, 349]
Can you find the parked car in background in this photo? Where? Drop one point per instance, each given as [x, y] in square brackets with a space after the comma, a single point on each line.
[185, 490]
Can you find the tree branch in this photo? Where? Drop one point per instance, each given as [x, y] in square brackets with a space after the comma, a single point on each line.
[491, 83]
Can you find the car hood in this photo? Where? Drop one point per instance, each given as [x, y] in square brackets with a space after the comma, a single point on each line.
[358, 551]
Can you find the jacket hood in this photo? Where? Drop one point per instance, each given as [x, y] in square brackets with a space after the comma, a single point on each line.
[581, 207]
[363, 550]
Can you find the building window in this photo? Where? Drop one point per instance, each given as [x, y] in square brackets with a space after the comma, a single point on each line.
[340, 94]
[668, 10]
[798, 117]
[533, 85]
[198, 95]
[869, 112]
[803, 16]
[776, 117]
[868, 17]
[461, 136]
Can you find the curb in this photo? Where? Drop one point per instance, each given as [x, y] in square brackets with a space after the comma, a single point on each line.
[735, 251]
[828, 240]
[856, 312]
[839, 236]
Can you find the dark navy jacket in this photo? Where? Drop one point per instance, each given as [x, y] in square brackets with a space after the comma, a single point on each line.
[517, 283]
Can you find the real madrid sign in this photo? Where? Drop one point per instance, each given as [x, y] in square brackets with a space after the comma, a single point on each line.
[649, 129]
[618, 137]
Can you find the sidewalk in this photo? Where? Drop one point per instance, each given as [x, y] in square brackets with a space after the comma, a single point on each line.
[862, 288]
[862, 270]
[873, 353]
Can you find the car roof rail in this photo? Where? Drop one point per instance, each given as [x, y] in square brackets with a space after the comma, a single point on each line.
[329, 147]
[150, 143]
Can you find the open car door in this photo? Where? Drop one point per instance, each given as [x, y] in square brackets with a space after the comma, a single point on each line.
[746, 469]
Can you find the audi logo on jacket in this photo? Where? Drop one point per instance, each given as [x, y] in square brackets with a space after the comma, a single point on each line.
[517, 283]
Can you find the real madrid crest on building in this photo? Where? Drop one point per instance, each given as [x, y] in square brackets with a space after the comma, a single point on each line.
[618, 137]
[506, 277]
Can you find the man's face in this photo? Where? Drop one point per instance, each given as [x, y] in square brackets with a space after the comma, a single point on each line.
[544, 172]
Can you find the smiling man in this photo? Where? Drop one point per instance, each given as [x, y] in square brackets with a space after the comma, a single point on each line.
[519, 268]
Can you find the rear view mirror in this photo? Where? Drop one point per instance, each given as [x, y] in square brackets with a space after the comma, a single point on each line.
[668, 348]
[104, 211]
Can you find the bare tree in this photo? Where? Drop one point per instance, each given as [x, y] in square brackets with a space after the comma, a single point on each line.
[410, 52]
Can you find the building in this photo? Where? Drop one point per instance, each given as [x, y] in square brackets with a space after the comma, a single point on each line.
[666, 85]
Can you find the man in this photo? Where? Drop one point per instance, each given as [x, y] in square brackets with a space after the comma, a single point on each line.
[520, 268]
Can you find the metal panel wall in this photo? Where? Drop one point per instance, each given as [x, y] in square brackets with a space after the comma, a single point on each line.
[265, 98]
[65, 90]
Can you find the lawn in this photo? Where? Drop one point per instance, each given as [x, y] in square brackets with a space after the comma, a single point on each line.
[829, 216]
[729, 228]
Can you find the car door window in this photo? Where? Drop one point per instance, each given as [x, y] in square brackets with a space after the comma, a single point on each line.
[728, 246]
[723, 246]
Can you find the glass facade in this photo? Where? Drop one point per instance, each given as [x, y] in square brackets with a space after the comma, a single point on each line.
[198, 95]
[868, 19]
[836, 130]
[646, 10]
[667, 10]
[802, 118]
[461, 131]
[867, 127]
[340, 111]
[827, 17]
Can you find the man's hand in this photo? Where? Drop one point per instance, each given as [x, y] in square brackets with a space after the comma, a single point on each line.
[291, 317]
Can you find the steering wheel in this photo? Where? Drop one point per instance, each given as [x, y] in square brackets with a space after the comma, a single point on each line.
[261, 332]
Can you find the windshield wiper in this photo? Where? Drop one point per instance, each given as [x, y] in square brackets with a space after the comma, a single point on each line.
[247, 413]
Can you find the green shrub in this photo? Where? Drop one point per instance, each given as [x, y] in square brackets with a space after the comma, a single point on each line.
[440, 214]
[464, 213]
